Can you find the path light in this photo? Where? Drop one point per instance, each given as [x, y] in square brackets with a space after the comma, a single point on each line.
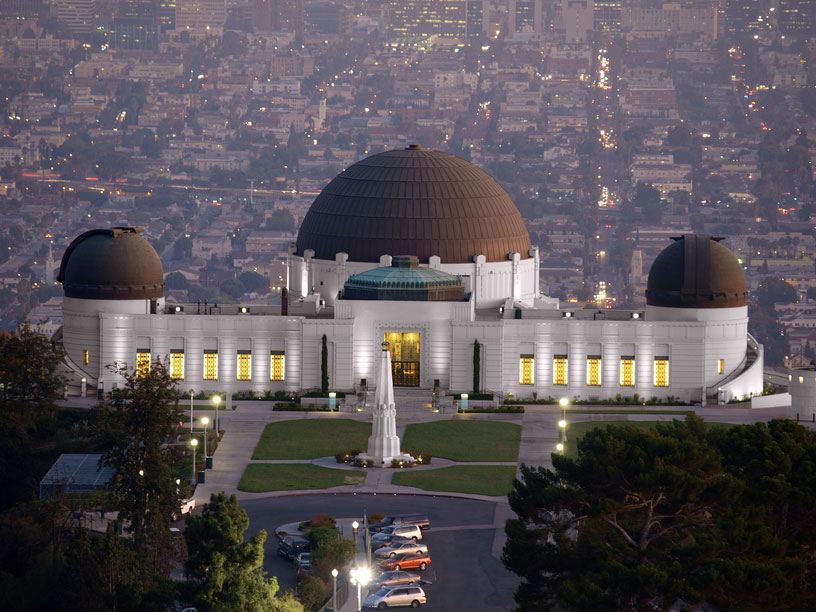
[560, 448]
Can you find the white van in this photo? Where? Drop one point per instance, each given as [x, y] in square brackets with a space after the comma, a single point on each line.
[406, 531]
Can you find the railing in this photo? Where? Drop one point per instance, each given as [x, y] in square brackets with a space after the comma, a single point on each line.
[342, 597]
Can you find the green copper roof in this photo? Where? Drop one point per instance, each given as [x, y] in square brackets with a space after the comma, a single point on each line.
[404, 280]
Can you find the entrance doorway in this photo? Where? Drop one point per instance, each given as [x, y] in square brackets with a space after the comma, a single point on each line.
[404, 349]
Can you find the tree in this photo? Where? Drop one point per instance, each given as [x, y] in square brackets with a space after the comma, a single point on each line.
[645, 519]
[324, 366]
[233, 288]
[29, 381]
[775, 290]
[176, 280]
[140, 421]
[227, 570]
[252, 281]
[647, 198]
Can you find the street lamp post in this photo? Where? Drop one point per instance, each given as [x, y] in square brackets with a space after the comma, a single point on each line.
[192, 411]
[205, 421]
[355, 526]
[216, 400]
[360, 576]
[193, 443]
[334, 596]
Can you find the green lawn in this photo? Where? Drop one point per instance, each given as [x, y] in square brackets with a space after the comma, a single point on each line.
[465, 440]
[262, 477]
[475, 479]
[311, 438]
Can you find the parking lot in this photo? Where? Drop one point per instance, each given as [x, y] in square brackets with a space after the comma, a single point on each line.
[464, 573]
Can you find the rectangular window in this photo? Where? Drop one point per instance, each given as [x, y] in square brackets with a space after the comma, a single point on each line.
[244, 365]
[661, 372]
[627, 371]
[177, 364]
[526, 369]
[85, 357]
[210, 365]
[560, 370]
[277, 365]
[594, 370]
[721, 366]
[142, 362]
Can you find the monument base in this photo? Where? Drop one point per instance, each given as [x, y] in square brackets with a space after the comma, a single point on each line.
[385, 462]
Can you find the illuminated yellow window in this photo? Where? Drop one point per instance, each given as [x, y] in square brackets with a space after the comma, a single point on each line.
[560, 370]
[142, 363]
[594, 371]
[661, 372]
[527, 369]
[210, 365]
[85, 357]
[177, 365]
[244, 365]
[277, 365]
[627, 371]
[721, 366]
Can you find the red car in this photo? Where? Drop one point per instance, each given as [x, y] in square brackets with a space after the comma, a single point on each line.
[407, 561]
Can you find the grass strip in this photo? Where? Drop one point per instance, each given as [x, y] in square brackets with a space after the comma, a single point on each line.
[473, 479]
[311, 438]
[465, 440]
[263, 477]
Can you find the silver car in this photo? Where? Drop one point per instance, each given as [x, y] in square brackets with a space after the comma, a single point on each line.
[390, 597]
[400, 547]
[393, 578]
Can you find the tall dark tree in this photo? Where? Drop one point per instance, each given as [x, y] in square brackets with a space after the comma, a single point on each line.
[324, 365]
[227, 571]
[477, 366]
[139, 424]
[645, 520]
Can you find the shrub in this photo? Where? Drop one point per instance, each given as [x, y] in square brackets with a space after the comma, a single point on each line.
[322, 520]
[341, 457]
[313, 592]
[377, 517]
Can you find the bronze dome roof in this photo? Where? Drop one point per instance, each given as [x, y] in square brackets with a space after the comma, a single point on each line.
[111, 264]
[417, 202]
[696, 271]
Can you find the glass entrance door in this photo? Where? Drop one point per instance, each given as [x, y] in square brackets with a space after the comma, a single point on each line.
[404, 349]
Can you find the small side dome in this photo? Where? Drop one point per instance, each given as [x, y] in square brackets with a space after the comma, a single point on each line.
[696, 271]
[111, 264]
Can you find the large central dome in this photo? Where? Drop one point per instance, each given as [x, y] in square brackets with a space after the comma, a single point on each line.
[414, 202]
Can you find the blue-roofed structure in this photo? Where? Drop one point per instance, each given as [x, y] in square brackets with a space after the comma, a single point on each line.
[404, 280]
[75, 473]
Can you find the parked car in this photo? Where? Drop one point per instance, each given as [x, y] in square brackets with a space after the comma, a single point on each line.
[395, 548]
[303, 561]
[378, 540]
[389, 597]
[406, 531]
[406, 561]
[393, 578]
[291, 546]
[401, 519]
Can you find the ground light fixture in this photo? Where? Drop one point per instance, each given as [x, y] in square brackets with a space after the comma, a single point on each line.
[560, 448]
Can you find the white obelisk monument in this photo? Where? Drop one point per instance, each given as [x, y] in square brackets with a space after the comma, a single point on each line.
[384, 444]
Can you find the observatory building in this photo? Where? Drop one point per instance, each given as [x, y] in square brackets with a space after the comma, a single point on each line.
[425, 251]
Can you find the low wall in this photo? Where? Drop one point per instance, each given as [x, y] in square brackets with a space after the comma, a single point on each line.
[771, 401]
